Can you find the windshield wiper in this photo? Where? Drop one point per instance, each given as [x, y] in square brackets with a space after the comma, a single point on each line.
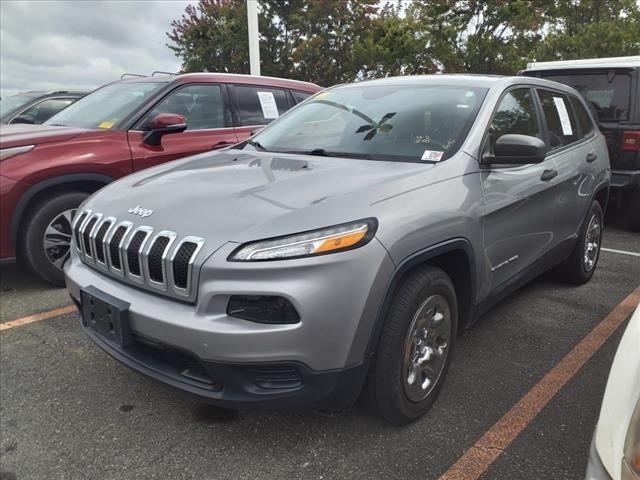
[321, 152]
[257, 145]
[57, 124]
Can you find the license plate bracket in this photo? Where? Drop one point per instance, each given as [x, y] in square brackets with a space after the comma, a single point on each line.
[106, 315]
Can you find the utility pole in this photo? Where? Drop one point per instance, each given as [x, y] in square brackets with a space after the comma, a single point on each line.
[254, 45]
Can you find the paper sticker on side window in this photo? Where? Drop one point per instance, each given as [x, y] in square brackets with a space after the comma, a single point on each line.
[564, 116]
[268, 105]
[432, 156]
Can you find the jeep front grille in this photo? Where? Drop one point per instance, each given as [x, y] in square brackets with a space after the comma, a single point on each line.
[137, 255]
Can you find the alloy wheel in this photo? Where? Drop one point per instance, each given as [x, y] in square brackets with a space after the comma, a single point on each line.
[57, 238]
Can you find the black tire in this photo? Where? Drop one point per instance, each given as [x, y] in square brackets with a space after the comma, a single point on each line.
[386, 391]
[32, 234]
[632, 210]
[575, 269]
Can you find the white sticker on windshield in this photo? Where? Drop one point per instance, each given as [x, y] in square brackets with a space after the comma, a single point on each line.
[432, 155]
[564, 116]
[268, 104]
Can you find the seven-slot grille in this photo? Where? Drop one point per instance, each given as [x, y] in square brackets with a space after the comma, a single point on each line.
[159, 261]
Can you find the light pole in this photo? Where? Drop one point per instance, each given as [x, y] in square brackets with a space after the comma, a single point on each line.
[254, 45]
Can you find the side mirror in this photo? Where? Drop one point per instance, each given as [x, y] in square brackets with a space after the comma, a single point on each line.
[514, 149]
[24, 119]
[163, 124]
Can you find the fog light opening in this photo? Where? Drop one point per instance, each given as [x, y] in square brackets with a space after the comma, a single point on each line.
[262, 309]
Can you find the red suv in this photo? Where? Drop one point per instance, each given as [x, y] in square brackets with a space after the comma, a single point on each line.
[48, 170]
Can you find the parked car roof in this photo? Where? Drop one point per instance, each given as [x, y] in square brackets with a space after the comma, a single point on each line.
[225, 77]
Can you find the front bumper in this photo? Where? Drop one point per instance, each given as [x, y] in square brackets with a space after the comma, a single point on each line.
[224, 360]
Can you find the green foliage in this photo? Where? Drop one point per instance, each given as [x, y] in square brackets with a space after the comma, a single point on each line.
[334, 41]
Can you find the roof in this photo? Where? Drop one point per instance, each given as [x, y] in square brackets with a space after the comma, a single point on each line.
[463, 80]
[611, 62]
[230, 78]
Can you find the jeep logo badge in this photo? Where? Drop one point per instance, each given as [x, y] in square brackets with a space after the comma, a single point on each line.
[138, 210]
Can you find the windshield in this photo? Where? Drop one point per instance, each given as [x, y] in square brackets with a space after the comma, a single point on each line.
[14, 102]
[409, 123]
[608, 93]
[106, 107]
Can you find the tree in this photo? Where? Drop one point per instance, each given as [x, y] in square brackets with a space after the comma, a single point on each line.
[591, 29]
[335, 41]
[212, 36]
[478, 36]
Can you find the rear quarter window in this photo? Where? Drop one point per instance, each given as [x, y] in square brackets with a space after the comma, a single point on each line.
[583, 118]
[300, 96]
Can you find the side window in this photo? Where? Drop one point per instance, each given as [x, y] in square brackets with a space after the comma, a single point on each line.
[300, 96]
[515, 114]
[561, 123]
[202, 106]
[258, 105]
[43, 111]
[586, 125]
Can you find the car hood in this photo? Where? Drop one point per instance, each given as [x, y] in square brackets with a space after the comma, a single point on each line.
[24, 134]
[238, 196]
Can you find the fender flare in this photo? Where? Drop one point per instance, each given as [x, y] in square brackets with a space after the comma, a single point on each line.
[417, 258]
[34, 190]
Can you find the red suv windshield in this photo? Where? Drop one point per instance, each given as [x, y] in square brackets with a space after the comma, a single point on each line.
[106, 107]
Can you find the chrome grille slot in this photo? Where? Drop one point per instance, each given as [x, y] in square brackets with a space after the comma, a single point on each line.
[99, 241]
[183, 256]
[76, 229]
[133, 252]
[114, 247]
[86, 236]
[139, 255]
[156, 258]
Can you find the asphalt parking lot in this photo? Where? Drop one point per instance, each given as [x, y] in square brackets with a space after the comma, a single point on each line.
[67, 410]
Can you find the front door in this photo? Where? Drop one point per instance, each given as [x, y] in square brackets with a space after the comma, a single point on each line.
[519, 200]
[208, 126]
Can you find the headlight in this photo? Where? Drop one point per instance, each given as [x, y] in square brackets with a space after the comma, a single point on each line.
[317, 242]
[6, 153]
[631, 458]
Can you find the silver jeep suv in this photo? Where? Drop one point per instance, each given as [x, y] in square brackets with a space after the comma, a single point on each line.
[340, 251]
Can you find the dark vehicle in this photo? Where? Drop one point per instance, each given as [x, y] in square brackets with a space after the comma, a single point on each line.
[611, 87]
[123, 127]
[35, 107]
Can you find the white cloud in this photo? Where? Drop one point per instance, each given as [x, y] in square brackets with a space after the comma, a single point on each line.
[83, 44]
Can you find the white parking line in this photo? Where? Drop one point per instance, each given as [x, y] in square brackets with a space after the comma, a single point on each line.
[623, 252]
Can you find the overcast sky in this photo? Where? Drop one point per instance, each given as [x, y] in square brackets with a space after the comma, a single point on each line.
[83, 44]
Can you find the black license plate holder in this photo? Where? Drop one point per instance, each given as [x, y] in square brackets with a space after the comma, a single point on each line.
[107, 316]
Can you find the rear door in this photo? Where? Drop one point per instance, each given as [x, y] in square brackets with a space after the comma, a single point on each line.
[570, 139]
[519, 199]
[257, 106]
[206, 109]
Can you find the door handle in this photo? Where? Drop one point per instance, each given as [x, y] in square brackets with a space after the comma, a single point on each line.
[591, 157]
[549, 175]
[222, 144]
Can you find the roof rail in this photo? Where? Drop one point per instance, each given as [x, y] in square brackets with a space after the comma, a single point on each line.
[160, 72]
[125, 75]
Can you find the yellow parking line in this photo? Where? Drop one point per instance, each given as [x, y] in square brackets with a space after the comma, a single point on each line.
[475, 461]
[37, 317]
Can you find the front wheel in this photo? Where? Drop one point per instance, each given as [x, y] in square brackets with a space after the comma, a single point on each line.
[46, 236]
[415, 347]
